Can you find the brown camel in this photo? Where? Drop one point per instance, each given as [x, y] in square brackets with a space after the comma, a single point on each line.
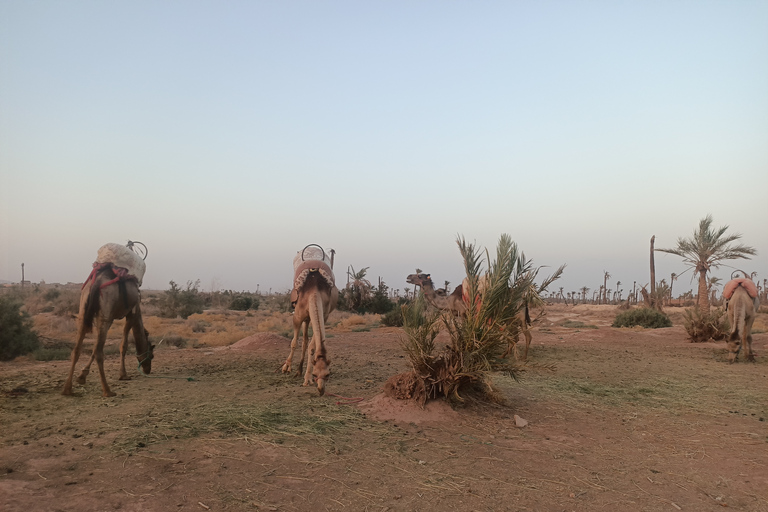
[105, 297]
[742, 307]
[314, 296]
[439, 298]
[457, 301]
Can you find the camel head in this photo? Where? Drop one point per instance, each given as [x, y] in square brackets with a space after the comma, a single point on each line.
[321, 373]
[145, 359]
[419, 279]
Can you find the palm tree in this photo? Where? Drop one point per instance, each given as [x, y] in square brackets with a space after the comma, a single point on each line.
[712, 285]
[707, 249]
[672, 279]
[584, 291]
[358, 287]
[606, 277]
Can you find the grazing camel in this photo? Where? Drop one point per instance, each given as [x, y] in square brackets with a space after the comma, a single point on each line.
[742, 307]
[111, 293]
[314, 297]
[453, 303]
[457, 303]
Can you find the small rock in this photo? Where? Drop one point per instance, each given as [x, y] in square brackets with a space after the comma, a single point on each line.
[520, 422]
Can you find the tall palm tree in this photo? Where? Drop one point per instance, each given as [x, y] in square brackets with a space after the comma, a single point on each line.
[584, 291]
[672, 279]
[707, 249]
[606, 277]
[712, 284]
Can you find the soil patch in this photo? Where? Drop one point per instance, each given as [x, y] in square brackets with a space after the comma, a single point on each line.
[617, 419]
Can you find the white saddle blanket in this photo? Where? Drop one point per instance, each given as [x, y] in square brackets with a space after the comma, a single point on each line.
[121, 256]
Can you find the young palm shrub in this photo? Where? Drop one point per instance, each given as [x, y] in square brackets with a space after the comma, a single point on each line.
[477, 339]
[702, 327]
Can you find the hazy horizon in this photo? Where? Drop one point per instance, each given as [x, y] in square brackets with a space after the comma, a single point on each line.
[227, 136]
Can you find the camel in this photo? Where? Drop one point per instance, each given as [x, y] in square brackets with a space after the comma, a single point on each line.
[456, 303]
[452, 303]
[314, 297]
[111, 293]
[742, 307]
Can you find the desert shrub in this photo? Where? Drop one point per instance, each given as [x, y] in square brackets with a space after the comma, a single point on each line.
[52, 294]
[67, 303]
[198, 325]
[702, 327]
[575, 324]
[361, 298]
[52, 354]
[477, 340]
[643, 317]
[174, 340]
[16, 335]
[244, 302]
[394, 318]
[177, 302]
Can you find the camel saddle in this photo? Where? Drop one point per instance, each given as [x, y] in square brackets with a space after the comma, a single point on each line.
[747, 284]
[125, 263]
[306, 262]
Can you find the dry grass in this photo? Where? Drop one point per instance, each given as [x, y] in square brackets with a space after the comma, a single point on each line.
[345, 321]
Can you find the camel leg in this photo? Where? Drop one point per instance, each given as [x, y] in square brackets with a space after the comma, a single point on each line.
[734, 346]
[87, 368]
[98, 352]
[294, 343]
[310, 352]
[75, 356]
[129, 324]
[304, 343]
[748, 340]
[528, 337]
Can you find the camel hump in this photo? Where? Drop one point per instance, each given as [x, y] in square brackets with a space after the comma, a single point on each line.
[122, 257]
[745, 283]
[312, 258]
[301, 272]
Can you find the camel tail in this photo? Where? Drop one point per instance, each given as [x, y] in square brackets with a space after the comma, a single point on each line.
[92, 306]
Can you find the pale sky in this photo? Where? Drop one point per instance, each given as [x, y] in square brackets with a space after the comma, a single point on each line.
[228, 135]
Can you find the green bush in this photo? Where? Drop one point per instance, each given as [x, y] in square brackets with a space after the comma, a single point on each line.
[644, 317]
[177, 302]
[394, 318]
[244, 302]
[16, 335]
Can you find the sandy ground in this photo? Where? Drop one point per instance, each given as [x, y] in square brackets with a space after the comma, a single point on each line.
[628, 419]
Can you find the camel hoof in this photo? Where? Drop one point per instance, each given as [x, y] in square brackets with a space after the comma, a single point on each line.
[81, 380]
[67, 392]
[286, 368]
[124, 377]
[108, 394]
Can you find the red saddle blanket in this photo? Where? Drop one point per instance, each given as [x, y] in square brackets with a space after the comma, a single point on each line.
[731, 286]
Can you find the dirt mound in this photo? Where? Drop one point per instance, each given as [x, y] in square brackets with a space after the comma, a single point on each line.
[258, 341]
[382, 407]
[406, 386]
